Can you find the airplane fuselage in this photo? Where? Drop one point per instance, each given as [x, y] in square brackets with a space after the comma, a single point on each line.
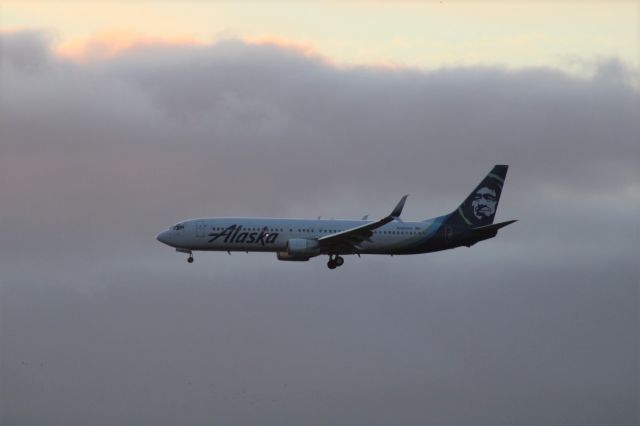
[272, 235]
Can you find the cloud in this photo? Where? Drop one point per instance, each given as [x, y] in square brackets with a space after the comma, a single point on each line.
[283, 43]
[99, 321]
[109, 44]
[26, 50]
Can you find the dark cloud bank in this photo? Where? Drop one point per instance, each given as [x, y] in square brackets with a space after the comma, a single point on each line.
[102, 325]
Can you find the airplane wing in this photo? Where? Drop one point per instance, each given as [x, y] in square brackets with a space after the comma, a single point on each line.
[349, 239]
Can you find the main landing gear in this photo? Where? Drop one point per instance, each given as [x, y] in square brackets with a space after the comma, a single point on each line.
[190, 259]
[335, 261]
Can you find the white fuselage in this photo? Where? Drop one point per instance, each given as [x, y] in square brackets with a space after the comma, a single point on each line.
[271, 235]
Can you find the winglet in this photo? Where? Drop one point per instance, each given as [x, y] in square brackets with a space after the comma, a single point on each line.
[398, 209]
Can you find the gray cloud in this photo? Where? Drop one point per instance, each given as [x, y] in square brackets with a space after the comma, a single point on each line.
[26, 51]
[99, 323]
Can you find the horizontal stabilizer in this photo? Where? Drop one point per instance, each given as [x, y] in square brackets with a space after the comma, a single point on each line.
[491, 229]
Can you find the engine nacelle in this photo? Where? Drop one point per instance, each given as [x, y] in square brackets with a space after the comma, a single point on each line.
[283, 255]
[303, 247]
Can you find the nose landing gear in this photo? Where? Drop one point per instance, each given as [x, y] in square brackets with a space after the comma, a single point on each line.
[187, 251]
[335, 261]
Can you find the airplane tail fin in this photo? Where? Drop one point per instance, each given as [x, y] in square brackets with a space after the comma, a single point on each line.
[480, 207]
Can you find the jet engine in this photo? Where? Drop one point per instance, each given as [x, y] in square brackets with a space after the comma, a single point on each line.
[283, 255]
[303, 247]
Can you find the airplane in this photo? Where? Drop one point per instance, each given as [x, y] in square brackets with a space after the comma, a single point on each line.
[303, 239]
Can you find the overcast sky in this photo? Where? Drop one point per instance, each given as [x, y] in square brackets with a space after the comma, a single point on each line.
[100, 324]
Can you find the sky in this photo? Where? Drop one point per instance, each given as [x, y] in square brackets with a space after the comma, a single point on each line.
[118, 120]
[430, 34]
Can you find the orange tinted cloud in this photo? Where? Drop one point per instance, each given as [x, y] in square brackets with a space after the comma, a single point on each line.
[305, 49]
[108, 44]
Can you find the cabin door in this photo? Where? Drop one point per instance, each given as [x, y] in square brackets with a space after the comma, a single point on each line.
[201, 227]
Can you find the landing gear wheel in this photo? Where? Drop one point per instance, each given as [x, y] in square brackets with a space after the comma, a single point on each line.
[335, 261]
[190, 259]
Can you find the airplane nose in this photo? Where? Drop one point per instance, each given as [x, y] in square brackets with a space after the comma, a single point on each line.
[163, 237]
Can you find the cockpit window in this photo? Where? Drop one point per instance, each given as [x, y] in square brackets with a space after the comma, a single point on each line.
[178, 227]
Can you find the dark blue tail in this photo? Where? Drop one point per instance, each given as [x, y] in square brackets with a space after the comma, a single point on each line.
[480, 207]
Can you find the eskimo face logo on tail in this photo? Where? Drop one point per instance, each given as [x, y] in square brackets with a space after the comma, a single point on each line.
[481, 205]
[236, 234]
